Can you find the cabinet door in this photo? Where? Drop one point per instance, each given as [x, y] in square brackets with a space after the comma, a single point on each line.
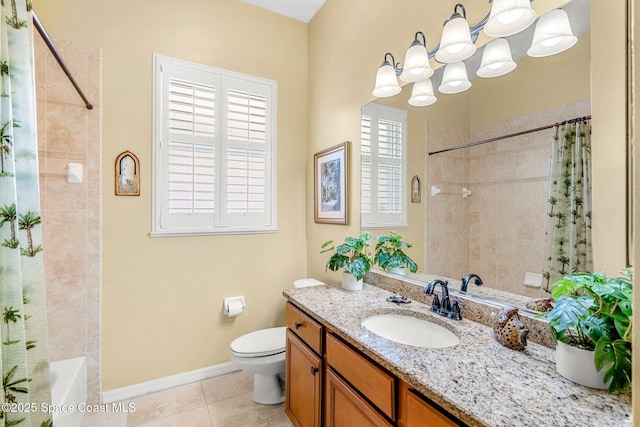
[303, 384]
[345, 407]
[364, 375]
[415, 411]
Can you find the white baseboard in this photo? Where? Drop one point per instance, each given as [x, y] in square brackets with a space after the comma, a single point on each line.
[160, 384]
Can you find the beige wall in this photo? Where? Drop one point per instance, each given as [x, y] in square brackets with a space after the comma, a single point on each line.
[609, 135]
[162, 297]
[536, 84]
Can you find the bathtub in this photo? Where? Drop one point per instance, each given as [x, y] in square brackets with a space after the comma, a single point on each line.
[68, 390]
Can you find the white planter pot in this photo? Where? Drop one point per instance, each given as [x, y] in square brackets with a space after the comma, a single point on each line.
[577, 365]
[350, 283]
[399, 271]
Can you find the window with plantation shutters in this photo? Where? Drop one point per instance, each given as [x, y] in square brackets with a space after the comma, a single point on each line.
[383, 156]
[214, 150]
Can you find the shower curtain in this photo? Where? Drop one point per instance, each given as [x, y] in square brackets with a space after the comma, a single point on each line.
[568, 228]
[24, 361]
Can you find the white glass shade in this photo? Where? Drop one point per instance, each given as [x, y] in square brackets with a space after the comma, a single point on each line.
[422, 94]
[509, 17]
[455, 79]
[455, 44]
[552, 34]
[386, 82]
[496, 59]
[416, 64]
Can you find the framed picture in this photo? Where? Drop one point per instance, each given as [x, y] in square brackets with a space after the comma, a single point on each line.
[127, 174]
[331, 179]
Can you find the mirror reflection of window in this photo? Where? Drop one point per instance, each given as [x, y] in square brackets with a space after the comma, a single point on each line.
[384, 167]
[127, 170]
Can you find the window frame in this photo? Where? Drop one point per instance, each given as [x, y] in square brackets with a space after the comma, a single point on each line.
[375, 219]
[221, 221]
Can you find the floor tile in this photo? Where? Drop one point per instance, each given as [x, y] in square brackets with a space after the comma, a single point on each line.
[227, 386]
[198, 417]
[242, 411]
[106, 419]
[166, 403]
[224, 401]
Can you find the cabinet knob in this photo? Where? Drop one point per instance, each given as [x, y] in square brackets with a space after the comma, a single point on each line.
[314, 370]
[297, 325]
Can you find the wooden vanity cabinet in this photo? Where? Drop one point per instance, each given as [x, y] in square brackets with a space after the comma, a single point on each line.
[331, 383]
[304, 369]
[415, 411]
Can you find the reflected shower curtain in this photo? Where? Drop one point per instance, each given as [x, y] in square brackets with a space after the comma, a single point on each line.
[568, 228]
[24, 361]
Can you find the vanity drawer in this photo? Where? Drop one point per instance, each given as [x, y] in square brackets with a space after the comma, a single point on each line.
[364, 375]
[305, 327]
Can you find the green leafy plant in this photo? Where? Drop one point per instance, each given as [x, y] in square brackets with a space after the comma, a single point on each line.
[389, 253]
[350, 255]
[593, 312]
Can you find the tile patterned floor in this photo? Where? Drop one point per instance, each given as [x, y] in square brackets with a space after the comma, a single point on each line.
[226, 401]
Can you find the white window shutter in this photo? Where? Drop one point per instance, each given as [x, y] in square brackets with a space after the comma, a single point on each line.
[383, 149]
[214, 145]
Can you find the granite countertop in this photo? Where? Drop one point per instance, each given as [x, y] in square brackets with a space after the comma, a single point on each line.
[478, 381]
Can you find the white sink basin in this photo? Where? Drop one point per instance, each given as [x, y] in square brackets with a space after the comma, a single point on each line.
[410, 330]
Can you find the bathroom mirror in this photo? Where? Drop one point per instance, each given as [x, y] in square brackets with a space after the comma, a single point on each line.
[127, 174]
[453, 115]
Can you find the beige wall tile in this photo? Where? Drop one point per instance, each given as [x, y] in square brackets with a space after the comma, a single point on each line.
[71, 219]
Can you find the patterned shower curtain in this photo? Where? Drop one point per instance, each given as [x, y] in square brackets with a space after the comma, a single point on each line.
[568, 228]
[24, 361]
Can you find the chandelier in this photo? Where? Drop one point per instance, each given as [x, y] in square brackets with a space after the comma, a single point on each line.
[552, 35]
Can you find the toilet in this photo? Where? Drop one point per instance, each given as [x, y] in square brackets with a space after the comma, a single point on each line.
[262, 353]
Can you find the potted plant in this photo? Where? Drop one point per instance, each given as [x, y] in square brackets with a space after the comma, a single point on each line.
[390, 256]
[351, 256]
[591, 318]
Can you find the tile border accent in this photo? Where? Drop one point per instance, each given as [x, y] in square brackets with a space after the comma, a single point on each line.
[165, 383]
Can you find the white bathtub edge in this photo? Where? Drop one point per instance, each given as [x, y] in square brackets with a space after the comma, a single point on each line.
[68, 389]
[165, 383]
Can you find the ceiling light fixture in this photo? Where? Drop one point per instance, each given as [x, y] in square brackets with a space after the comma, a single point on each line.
[455, 79]
[455, 43]
[507, 17]
[422, 94]
[496, 59]
[552, 34]
[416, 61]
[386, 80]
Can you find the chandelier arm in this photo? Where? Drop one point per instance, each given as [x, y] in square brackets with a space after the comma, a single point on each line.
[479, 26]
[394, 64]
[455, 11]
[434, 51]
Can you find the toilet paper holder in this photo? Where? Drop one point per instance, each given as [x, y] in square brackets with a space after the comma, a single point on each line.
[233, 301]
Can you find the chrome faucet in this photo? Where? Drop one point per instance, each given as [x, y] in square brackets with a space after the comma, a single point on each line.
[467, 278]
[443, 308]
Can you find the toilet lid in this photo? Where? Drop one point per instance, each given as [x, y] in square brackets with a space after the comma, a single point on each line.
[261, 343]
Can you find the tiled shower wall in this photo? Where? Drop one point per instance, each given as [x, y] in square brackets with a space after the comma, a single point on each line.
[70, 133]
[498, 231]
[448, 216]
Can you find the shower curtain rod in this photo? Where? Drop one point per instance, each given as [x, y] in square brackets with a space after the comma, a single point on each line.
[511, 135]
[56, 54]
